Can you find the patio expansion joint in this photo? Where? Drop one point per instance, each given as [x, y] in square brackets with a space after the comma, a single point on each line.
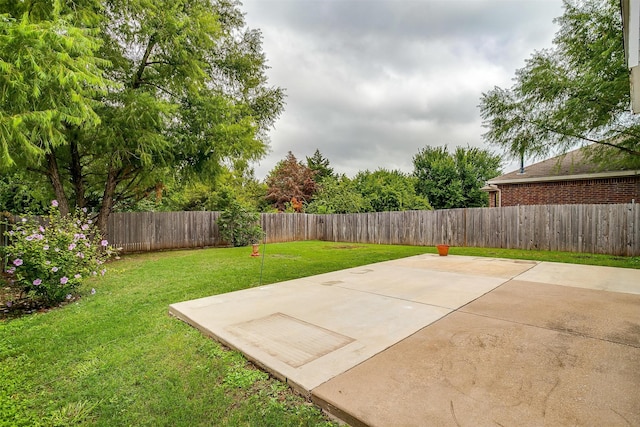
[393, 297]
[562, 331]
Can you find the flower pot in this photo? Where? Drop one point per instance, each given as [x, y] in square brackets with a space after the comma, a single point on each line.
[443, 250]
[255, 247]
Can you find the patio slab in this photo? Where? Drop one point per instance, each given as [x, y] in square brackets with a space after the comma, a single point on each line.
[474, 370]
[454, 340]
[309, 330]
[585, 276]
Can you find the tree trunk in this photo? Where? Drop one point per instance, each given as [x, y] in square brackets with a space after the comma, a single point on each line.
[76, 171]
[56, 182]
[107, 202]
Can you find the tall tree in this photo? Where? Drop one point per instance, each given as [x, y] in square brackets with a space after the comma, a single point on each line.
[337, 195]
[290, 179]
[574, 93]
[320, 165]
[389, 190]
[50, 77]
[190, 96]
[453, 180]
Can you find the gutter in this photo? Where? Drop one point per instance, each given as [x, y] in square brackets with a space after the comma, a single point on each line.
[600, 175]
[490, 188]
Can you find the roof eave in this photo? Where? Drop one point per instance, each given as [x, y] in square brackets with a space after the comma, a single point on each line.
[599, 175]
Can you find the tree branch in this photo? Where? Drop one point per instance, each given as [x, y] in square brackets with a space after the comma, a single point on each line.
[137, 78]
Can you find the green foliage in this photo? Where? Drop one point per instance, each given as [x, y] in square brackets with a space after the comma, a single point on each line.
[290, 179]
[19, 195]
[126, 93]
[50, 76]
[320, 166]
[337, 195]
[575, 93]
[240, 226]
[385, 190]
[453, 180]
[51, 261]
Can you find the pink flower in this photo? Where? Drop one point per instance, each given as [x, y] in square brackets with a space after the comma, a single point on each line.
[85, 227]
[68, 296]
[78, 276]
[11, 270]
[54, 269]
[41, 228]
[17, 262]
[104, 243]
[45, 247]
[54, 203]
[37, 282]
[72, 246]
[103, 271]
[64, 280]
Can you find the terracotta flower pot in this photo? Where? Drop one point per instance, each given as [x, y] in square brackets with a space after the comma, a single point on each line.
[443, 250]
[255, 247]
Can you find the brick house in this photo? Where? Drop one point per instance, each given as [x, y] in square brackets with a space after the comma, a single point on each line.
[567, 179]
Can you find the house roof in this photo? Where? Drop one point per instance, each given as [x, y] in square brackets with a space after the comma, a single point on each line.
[574, 165]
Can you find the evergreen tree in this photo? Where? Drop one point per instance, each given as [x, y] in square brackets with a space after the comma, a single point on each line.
[320, 165]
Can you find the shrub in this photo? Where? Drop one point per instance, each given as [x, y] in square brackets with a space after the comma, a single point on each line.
[239, 225]
[51, 260]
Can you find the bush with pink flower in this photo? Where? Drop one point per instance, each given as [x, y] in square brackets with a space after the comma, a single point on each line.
[49, 261]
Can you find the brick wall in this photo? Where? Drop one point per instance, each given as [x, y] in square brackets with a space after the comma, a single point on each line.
[610, 190]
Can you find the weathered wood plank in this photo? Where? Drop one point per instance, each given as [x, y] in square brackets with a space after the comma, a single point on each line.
[612, 229]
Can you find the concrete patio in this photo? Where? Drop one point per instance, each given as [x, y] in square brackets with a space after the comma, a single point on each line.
[454, 340]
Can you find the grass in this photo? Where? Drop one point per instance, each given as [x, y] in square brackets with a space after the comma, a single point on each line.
[117, 358]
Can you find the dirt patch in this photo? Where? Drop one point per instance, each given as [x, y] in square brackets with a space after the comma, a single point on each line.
[344, 247]
[14, 303]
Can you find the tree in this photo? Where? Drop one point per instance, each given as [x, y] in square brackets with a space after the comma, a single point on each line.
[21, 194]
[575, 93]
[453, 180]
[50, 76]
[337, 195]
[172, 88]
[290, 179]
[320, 165]
[385, 190]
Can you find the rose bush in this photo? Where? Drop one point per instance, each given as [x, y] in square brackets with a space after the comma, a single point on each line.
[50, 260]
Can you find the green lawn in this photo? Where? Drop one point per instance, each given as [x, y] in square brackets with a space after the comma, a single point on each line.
[117, 357]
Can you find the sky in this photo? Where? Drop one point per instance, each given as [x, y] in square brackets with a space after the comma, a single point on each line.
[371, 82]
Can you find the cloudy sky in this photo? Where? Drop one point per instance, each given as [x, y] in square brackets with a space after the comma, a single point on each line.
[370, 82]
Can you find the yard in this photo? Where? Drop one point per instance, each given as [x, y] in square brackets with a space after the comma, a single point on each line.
[117, 358]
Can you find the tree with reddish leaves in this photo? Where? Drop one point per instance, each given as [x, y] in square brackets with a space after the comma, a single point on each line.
[288, 180]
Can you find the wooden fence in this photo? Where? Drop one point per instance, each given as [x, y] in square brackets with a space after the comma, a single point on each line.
[604, 229]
